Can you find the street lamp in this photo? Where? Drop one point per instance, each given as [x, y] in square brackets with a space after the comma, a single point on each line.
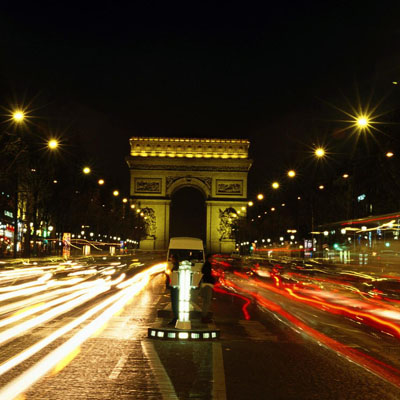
[362, 121]
[18, 116]
[115, 193]
[52, 144]
[275, 185]
[291, 173]
[86, 170]
[389, 154]
[260, 196]
[100, 182]
[319, 152]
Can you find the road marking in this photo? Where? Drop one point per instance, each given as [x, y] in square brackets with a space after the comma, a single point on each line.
[219, 388]
[162, 379]
[118, 368]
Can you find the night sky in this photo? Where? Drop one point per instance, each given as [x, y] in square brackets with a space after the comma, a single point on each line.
[264, 71]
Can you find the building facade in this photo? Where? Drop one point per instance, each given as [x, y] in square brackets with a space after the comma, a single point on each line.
[218, 168]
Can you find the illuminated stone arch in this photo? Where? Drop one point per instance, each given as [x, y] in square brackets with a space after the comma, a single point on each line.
[218, 168]
[188, 181]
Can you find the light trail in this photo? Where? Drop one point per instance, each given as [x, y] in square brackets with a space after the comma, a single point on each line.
[19, 385]
[40, 307]
[384, 370]
[14, 361]
[17, 306]
[13, 332]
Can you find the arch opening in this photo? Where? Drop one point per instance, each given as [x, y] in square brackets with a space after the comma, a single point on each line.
[188, 213]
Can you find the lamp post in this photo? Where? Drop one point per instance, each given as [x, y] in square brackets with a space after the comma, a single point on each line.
[18, 117]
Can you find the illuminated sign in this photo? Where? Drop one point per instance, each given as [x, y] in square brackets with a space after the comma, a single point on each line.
[8, 214]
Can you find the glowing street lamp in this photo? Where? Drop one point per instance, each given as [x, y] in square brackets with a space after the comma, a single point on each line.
[275, 185]
[319, 152]
[115, 193]
[389, 154]
[362, 121]
[100, 182]
[86, 170]
[291, 173]
[18, 116]
[52, 144]
[260, 196]
[250, 204]
[345, 176]
[124, 200]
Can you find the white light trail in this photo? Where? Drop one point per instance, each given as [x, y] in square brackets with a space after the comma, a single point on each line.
[13, 332]
[50, 361]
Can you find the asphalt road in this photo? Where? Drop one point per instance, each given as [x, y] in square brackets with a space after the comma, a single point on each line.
[275, 343]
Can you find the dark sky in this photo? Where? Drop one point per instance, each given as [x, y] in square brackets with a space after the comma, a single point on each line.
[263, 71]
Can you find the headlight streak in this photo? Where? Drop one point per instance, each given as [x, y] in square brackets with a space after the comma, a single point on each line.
[39, 281]
[22, 292]
[16, 306]
[40, 307]
[11, 333]
[50, 361]
[14, 361]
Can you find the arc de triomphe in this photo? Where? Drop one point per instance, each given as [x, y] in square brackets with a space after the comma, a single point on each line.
[218, 168]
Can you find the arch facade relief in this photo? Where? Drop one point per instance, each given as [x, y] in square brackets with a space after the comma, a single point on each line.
[218, 168]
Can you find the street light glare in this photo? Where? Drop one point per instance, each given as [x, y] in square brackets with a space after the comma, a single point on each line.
[319, 152]
[291, 174]
[116, 193]
[260, 196]
[362, 121]
[86, 170]
[389, 154]
[100, 182]
[275, 185]
[53, 144]
[18, 116]
[250, 204]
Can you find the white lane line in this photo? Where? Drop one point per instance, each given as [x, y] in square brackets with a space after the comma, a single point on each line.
[118, 368]
[219, 388]
[162, 379]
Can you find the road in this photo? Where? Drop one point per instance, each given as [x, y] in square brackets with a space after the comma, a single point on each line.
[288, 331]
